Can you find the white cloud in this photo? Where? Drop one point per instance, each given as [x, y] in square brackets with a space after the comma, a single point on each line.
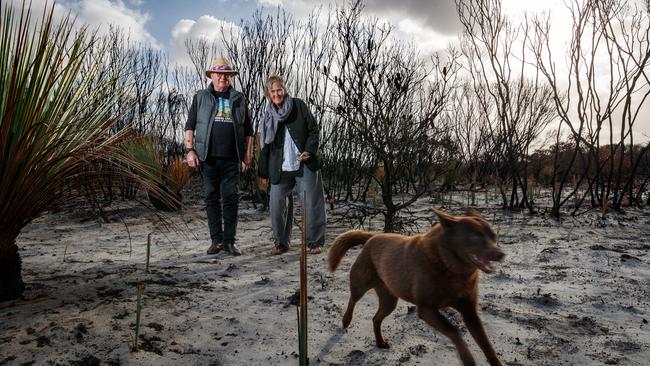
[206, 27]
[98, 14]
[409, 28]
[272, 3]
[426, 40]
[104, 12]
[299, 9]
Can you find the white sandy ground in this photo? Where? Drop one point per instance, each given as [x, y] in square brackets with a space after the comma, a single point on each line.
[569, 293]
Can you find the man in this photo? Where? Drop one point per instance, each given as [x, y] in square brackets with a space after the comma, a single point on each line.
[218, 137]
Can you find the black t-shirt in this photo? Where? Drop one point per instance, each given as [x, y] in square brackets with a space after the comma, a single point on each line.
[222, 140]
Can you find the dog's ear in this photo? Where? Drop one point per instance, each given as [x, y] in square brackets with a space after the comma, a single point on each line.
[471, 212]
[447, 221]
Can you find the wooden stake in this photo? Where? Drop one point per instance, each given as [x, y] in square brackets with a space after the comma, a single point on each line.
[139, 289]
[302, 327]
[146, 267]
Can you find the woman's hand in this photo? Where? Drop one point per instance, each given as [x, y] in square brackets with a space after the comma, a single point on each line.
[304, 156]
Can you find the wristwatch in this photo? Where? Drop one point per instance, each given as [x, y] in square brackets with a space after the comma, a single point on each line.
[188, 149]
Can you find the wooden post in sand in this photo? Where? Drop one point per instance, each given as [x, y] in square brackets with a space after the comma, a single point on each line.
[139, 289]
[146, 266]
[302, 320]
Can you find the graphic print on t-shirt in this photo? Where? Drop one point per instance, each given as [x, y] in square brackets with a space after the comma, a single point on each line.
[223, 111]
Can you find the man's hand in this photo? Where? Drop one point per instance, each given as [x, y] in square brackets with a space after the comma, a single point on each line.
[304, 156]
[246, 163]
[192, 159]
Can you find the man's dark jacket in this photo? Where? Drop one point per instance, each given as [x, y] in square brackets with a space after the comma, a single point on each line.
[202, 113]
[303, 130]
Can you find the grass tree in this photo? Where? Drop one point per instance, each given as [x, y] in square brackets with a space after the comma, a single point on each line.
[57, 104]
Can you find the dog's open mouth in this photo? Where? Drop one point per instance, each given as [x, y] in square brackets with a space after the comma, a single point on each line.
[484, 265]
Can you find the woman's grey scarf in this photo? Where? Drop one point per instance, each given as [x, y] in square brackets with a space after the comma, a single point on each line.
[271, 118]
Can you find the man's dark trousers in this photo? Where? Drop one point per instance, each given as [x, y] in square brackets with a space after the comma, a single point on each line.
[221, 181]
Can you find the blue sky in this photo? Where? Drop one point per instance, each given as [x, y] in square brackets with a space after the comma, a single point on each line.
[166, 24]
[165, 14]
[429, 24]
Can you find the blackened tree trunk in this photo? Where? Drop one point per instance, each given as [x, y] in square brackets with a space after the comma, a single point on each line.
[387, 198]
[11, 282]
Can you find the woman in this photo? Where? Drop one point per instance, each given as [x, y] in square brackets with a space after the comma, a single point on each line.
[289, 158]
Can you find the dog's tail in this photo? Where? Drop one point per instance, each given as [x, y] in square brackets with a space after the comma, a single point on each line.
[344, 242]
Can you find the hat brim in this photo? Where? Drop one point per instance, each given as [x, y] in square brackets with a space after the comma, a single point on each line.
[227, 72]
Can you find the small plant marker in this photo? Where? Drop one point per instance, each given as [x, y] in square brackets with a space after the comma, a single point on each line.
[139, 289]
[146, 267]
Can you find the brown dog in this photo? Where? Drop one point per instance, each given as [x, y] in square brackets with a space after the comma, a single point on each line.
[434, 270]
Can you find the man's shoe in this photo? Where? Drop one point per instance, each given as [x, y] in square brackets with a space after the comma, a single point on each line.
[232, 249]
[215, 248]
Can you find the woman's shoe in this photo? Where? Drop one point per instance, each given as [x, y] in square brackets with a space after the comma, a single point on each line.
[279, 249]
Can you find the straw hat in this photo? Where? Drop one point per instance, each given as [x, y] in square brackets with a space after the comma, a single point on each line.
[221, 66]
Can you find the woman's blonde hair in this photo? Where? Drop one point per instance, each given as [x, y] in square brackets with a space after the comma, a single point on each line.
[269, 83]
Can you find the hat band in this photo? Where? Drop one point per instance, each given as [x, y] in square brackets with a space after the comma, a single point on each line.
[221, 68]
